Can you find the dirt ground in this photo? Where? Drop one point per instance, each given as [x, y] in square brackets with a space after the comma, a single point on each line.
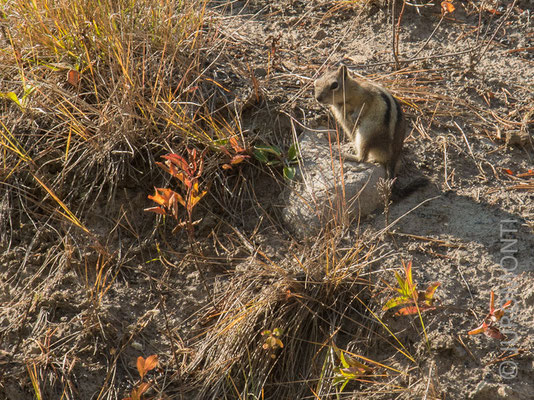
[466, 82]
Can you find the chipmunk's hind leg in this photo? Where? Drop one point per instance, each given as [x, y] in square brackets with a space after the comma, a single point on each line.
[391, 167]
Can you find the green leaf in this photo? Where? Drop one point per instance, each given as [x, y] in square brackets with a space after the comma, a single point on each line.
[220, 142]
[273, 163]
[270, 149]
[397, 301]
[28, 90]
[292, 153]
[261, 156]
[289, 173]
[343, 361]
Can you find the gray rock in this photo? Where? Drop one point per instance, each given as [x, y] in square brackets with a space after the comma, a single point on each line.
[326, 190]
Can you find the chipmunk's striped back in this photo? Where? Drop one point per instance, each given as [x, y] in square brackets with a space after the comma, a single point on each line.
[369, 115]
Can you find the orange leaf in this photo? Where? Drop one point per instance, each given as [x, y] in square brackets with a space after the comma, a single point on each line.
[492, 302]
[157, 210]
[235, 145]
[237, 159]
[411, 310]
[409, 278]
[195, 199]
[508, 171]
[163, 196]
[151, 362]
[498, 313]
[482, 328]
[429, 293]
[73, 77]
[141, 366]
[226, 166]
[447, 7]
[139, 391]
[180, 199]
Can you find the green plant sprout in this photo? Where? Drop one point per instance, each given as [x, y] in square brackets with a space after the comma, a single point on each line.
[273, 156]
[350, 369]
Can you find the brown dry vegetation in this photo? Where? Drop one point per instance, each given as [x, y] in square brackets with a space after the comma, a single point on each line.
[93, 93]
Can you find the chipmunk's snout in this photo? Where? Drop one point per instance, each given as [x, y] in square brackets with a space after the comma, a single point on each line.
[326, 89]
[320, 95]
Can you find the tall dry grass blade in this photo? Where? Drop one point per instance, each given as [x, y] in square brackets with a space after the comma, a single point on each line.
[69, 215]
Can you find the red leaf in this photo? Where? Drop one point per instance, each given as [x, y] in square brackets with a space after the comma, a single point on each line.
[481, 329]
[177, 160]
[493, 11]
[494, 333]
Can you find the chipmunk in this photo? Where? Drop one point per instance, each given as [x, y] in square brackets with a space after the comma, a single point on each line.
[370, 117]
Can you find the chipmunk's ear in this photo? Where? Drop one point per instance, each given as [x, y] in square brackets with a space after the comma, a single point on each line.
[342, 72]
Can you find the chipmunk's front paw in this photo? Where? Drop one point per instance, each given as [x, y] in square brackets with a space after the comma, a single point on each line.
[351, 157]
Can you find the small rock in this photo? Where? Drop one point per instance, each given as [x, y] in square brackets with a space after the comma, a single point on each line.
[137, 346]
[321, 193]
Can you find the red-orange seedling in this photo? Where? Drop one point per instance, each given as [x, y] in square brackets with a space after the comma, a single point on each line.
[138, 391]
[188, 172]
[146, 365]
[488, 327]
[143, 366]
[422, 301]
[236, 156]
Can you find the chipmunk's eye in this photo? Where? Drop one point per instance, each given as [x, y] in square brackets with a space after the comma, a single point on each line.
[334, 85]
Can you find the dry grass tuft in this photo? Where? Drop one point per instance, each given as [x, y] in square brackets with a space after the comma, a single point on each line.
[103, 87]
[318, 303]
